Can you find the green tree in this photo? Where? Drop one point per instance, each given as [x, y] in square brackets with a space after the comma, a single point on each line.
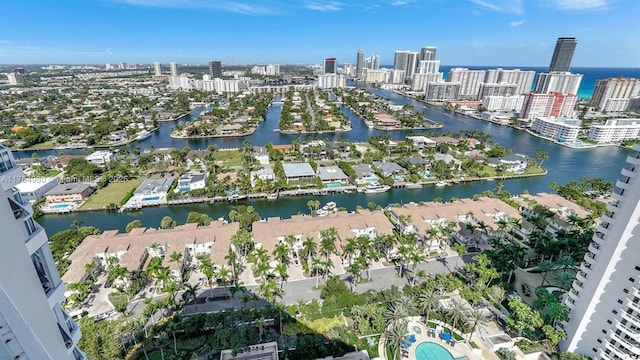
[132, 225]
[167, 222]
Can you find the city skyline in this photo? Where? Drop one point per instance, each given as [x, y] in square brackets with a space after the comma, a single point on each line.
[470, 32]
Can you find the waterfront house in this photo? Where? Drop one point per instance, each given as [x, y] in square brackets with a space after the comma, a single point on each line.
[389, 168]
[70, 192]
[152, 191]
[316, 149]
[332, 174]
[261, 154]
[189, 182]
[363, 172]
[135, 249]
[421, 142]
[100, 158]
[230, 129]
[197, 157]
[164, 154]
[264, 174]
[418, 219]
[273, 231]
[298, 171]
[33, 189]
[449, 160]
[510, 162]
[561, 208]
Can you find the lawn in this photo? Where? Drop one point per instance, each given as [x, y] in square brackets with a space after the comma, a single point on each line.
[228, 158]
[42, 146]
[112, 193]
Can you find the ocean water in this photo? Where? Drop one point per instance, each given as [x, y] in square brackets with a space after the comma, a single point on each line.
[587, 86]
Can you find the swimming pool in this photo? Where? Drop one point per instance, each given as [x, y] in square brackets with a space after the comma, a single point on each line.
[333, 185]
[60, 206]
[152, 198]
[372, 180]
[432, 351]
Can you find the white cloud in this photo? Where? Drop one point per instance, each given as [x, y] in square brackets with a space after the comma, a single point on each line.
[230, 6]
[503, 6]
[582, 4]
[400, 2]
[329, 6]
[516, 23]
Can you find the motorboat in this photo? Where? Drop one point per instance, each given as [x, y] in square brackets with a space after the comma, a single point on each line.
[442, 183]
[376, 188]
[413, 186]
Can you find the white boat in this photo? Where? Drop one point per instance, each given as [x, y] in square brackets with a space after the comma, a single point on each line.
[143, 135]
[272, 196]
[375, 188]
[369, 124]
[330, 206]
[413, 186]
[442, 183]
[322, 212]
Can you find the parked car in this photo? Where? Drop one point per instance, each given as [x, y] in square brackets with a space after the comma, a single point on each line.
[526, 290]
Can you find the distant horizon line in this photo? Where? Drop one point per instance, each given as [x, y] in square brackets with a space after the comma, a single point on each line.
[302, 64]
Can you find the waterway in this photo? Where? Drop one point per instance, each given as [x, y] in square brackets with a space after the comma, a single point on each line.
[564, 165]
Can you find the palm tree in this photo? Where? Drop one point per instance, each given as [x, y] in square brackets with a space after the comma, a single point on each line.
[232, 261]
[316, 266]
[281, 253]
[461, 249]
[349, 249]
[236, 288]
[416, 257]
[163, 278]
[327, 242]
[544, 267]
[90, 268]
[224, 275]
[354, 270]
[191, 293]
[281, 269]
[176, 257]
[161, 341]
[456, 312]
[206, 268]
[309, 249]
[428, 300]
[394, 337]
[475, 317]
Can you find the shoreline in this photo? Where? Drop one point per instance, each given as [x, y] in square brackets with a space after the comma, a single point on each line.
[97, 146]
[248, 133]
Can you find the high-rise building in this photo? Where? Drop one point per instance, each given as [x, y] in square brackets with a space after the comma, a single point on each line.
[330, 81]
[500, 89]
[469, 80]
[428, 53]
[174, 68]
[372, 62]
[407, 61]
[563, 82]
[441, 91]
[604, 300]
[157, 68]
[215, 69]
[33, 324]
[614, 88]
[428, 67]
[563, 53]
[524, 79]
[330, 66]
[553, 104]
[359, 64]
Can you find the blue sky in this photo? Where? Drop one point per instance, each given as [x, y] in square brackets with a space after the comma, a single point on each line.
[466, 32]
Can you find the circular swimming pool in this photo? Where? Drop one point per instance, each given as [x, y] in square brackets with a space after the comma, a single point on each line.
[432, 351]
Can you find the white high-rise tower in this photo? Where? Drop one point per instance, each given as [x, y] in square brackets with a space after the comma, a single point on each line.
[33, 325]
[174, 68]
[604, 322]
[157, 68]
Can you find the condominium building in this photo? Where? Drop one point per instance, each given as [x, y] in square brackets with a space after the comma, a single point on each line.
[173, 67]
[215, 69]
[33, 324]
[419, 81]
[615, 130]
[499, 89]
[543, 105]
[330, 81]
[562, 82]
[563, 54]
[428, 67]
[604, 300]
[372, 62]
[376, 76]
[613, 105]
[634, 104]
[469, 80]
[406, 61]
[359, 64]
[330, 66]
[614, 88]
[441, 91]
[558, 129]
[428, 53]
[523, 79]
[157, 68]
[503, 103]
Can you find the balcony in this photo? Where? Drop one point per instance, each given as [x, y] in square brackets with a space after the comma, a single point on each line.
[65, 337]
[581, 276]
[628, 328]
[594, 247]
[603, 227]
[634, 160]
[633, 319]
[613, 207]
[630, 344]
[573, 294]
[585, 266]
[619, 197]
[623, 184]
[79, 355]
[632, 305]
[577, 285]
[628, 173]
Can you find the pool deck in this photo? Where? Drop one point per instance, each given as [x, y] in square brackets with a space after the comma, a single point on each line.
[460, 350]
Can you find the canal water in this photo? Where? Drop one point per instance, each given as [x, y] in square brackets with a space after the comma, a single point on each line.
[564, 165]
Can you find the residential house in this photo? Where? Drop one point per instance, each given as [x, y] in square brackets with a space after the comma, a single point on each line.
[153, 191]
[261, 154]
[70, 192]
[189, 182]
[34, 188]
[100, 158]
[389, 168]
[421, 142]
[363, 172]
[264, 174]
[230, 129]
[298, 171]
[332, 174]
[449, 159]
[510, 162]
[316, 149]
[197, 157]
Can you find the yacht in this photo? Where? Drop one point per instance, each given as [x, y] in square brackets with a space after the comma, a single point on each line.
[376, 188]
[442, 183]
[143, 135]
[273, 196]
